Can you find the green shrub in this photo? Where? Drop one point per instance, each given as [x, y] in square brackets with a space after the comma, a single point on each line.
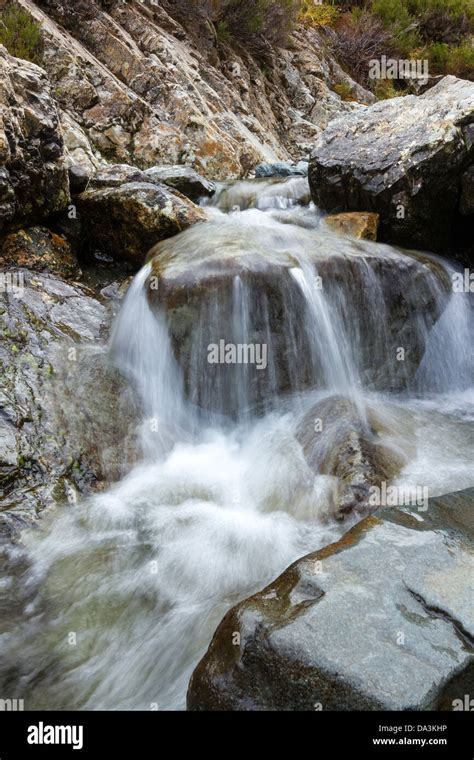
[418, 22]
[360, 38]
[396, 18]
[453, 8]
[394, 13]
[258, 23]
[385, 89]
[438, 26]
[21, 35]
[457, 60]
[461, 60]
[438, 55]
[222, 31]
[438, 30]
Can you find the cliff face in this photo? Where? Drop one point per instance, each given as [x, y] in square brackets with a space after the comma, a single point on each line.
[134, 86]
[33, 174]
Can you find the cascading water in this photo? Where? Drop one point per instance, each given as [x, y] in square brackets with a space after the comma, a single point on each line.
[328, 342]
[117, 599]
[153, 373]
[448, 362]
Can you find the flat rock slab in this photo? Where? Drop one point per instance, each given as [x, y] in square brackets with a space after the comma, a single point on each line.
[381, 620]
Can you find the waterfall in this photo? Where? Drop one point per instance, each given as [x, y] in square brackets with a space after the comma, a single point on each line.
[240, 332]
[326, 335]
[228, 492]
[448, 362]
[140, 348]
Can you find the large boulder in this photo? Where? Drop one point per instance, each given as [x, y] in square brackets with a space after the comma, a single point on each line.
[403, 158]
[184, 179]
[124, 221]
[380, 620]
[33, 172]
[244, 284]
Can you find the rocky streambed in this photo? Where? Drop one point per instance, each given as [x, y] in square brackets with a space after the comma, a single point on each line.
[149, 494]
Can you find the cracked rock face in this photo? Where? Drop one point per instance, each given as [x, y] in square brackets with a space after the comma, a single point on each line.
[380, 620]
[146, 90]
[406, 159]
[61, 424]
[33, 174]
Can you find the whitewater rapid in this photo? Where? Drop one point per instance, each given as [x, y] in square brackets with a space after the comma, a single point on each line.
[117, 598]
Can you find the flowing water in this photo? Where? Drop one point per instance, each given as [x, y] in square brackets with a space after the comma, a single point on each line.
[114, 601]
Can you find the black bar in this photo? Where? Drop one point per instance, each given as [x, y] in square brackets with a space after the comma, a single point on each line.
[149, 734]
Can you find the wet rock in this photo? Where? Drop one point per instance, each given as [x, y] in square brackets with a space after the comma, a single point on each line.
[380, 620]
[33, 173]
[39, 249]
[199, 276]
[356, 447]
[403, 158]
[357, 224]
[65, 424]
[282, 169]
[184, 179]
[125, 221]
[79, 179]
